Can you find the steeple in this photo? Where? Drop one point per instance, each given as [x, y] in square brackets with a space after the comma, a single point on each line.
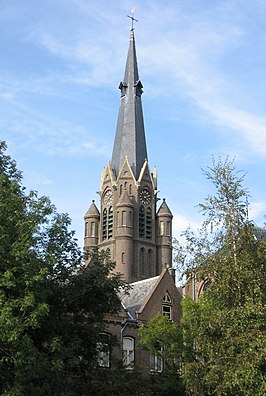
[130, 135]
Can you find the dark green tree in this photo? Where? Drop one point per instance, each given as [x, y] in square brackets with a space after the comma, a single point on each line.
[224, 330]
[52, 308]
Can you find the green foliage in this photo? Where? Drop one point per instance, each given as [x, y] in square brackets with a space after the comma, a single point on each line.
[224, 331]
[136, 382]
[51, 307]
[161, 337]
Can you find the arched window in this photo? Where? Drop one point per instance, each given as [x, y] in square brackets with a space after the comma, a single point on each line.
[110, 222]
[161, 227]
[103, 350]
[123, 258]
[150, 263]
[130, 219]
[128, 352]
[104, 230]
[93, 229]
[141, 221]
[168, 228]
[86, 229]
[124, 218]
[148, 223]
[167, 305]
[142, 262]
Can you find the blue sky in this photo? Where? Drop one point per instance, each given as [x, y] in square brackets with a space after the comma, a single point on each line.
[203, 68]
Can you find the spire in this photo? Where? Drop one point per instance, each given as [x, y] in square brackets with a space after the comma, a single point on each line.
[130, 135]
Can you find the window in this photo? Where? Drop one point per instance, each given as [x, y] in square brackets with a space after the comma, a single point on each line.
[124, 218]
[167, 305]
[141, 221]
[110, 222]
[167, 298]
[123, 257]
[86, 228]
[168, 228]
[103, 350]
[167, 311]
[128, 352]
[130, 219]
[150, 263]
[156, 363]
[148, 223]
[161, 228]
[142, 262]
[104, 232]
[93, 229]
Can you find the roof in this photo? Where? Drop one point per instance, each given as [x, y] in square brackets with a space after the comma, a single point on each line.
[130, 139]
[92, 211]
[137, 295]
[164, 209]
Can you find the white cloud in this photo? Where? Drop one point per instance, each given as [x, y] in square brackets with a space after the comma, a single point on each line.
[182, 222]
[257, 211]
[33, 178]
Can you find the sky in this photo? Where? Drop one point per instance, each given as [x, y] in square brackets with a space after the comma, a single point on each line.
[203, 67]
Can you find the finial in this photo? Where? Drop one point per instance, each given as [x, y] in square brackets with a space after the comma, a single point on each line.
[132, 19]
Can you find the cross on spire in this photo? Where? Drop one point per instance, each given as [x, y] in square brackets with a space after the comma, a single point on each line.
[132, 19]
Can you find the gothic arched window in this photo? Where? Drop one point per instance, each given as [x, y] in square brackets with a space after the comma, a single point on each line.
[142, 262]
[110, 222]
[150, 263]
[141, 221]
[148, 223]
[104, 229]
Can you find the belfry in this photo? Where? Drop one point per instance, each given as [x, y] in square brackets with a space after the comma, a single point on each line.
[137, 235]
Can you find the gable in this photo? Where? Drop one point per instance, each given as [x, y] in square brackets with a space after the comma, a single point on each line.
[164, 293]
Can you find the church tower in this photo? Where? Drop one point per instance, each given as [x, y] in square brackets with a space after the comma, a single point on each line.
[128, 225]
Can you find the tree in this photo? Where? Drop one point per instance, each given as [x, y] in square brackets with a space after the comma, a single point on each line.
[224, 331]
[52, 308]
[162, 338]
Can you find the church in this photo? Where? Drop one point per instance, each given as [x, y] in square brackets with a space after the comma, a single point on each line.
[134, 230]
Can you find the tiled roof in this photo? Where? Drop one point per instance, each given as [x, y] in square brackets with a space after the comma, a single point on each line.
[138, 293]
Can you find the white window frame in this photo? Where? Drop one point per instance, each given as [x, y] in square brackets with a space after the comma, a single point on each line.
[128, 352]
[103, 352]
[156, 363]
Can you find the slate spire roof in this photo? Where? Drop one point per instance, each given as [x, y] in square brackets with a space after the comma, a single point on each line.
[130, 139]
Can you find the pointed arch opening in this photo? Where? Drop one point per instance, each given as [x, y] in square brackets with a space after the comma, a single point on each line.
[110, 222]
[148, 223]
[141, 221]
[142, 262]
[150, 264]
[104, 224]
